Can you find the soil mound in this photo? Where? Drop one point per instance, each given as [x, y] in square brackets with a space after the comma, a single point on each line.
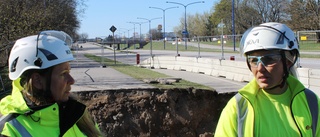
[156, 112]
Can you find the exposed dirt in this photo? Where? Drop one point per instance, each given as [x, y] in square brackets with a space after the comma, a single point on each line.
[156, 112]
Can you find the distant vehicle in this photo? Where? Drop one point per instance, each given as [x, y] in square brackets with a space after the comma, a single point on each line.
[169, 39]
[215, 39]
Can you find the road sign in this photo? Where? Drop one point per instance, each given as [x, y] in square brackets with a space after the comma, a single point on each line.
[184, 32]
[113, 28]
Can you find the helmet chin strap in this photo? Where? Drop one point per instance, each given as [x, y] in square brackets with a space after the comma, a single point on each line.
[48, 94]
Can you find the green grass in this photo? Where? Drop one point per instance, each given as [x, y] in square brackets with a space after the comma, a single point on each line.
[309, 46]
[310, 56]
[144, 73]
[181, 48]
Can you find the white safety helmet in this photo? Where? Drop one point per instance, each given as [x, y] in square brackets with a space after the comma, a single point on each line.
[268, 36]
[41, 51]
[272, 36]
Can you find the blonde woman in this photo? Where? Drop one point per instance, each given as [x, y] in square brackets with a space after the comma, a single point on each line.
[40, 103]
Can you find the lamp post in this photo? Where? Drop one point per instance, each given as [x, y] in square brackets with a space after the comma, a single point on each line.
[150, 35]
[233, 28]
[140, 29]
[185, 31]
[221, 25]
[126, 30]
[127, 39]
[134, 33]
[128, 36]
[164, 23]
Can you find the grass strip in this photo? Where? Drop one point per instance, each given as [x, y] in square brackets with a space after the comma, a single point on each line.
[144, 73]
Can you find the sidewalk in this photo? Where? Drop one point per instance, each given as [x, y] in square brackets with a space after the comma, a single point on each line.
[89, 75]
[221, 85]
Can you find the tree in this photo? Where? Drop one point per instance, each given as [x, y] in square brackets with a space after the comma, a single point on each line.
[270, 10]
[248, 13]
[243, 20]
[20, 18]
[305, 15]
[83, 36]
[223, 11]
[197, 24]
[297, 14]
[156, 34]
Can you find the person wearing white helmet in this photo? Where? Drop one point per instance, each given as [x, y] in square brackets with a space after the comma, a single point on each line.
[41, 103]
[274, 103]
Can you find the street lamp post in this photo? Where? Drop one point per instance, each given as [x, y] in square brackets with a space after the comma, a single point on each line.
[134, 33]
[140, 30]
[233, 28]
[128, 36]
[164, 23]
[150, 35]
[127, 39]
[185, 31]
[221, 25]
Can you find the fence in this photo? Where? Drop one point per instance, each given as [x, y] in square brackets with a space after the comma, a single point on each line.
[309, 40]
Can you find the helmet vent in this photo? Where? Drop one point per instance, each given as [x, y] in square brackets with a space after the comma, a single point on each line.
[14, 64]
[49, 55]
[280, 40]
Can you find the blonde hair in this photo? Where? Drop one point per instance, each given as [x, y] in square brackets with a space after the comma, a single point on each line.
[36, 96]
[88, 126]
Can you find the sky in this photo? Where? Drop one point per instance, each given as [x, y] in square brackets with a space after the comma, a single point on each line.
[100, 15]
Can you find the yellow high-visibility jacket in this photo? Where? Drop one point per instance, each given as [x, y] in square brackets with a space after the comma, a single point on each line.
[228, 124]
[48, 121]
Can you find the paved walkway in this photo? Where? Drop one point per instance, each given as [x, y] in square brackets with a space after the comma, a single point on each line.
[89, 75]
[220, 84]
